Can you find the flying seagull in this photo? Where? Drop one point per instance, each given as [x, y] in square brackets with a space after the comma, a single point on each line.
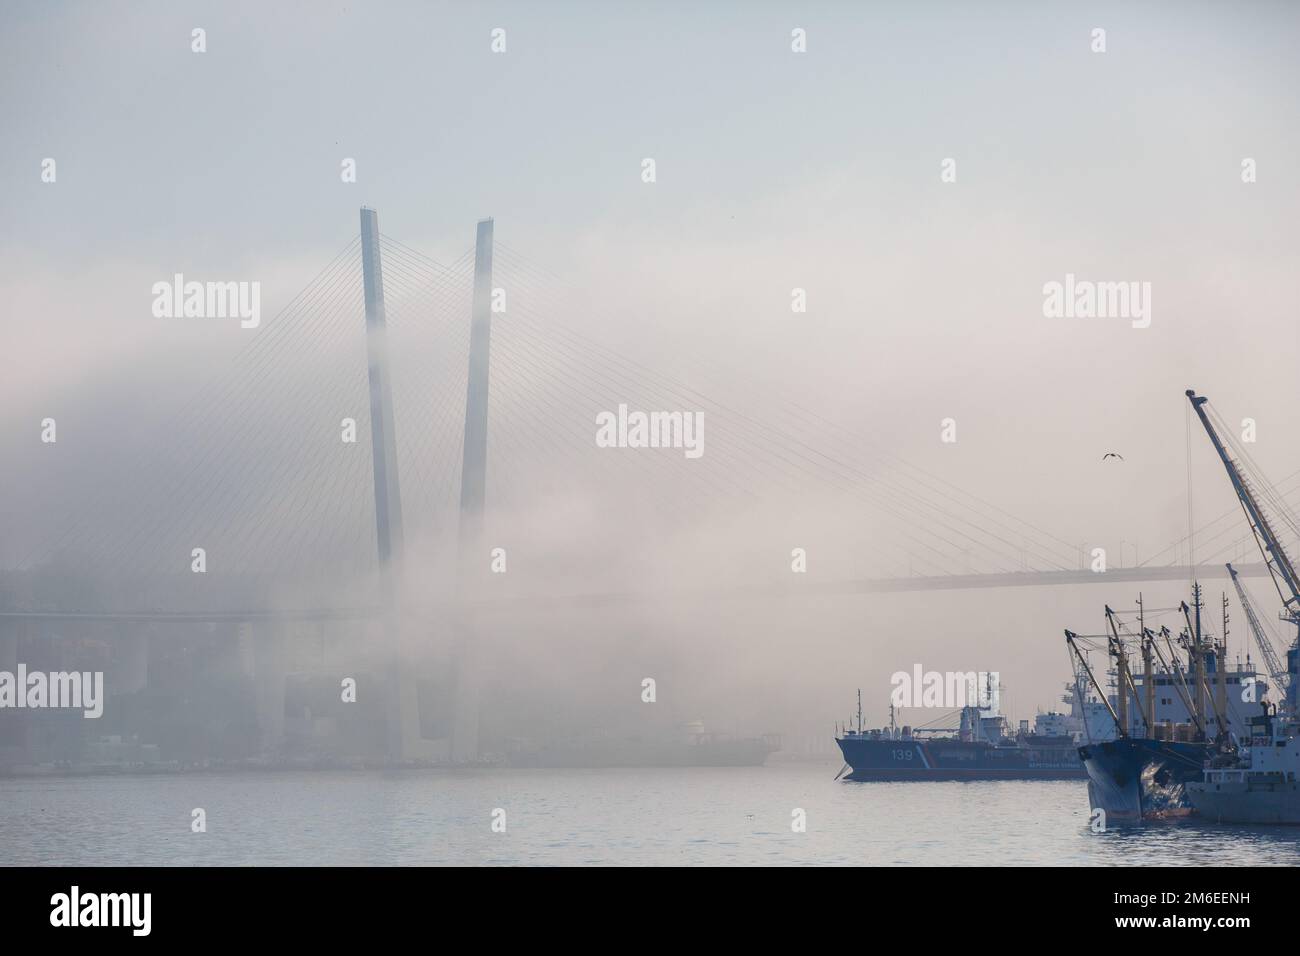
[1112, 454]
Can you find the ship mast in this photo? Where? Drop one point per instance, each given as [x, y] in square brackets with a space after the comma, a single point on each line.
[1148, 674]
[1195, 656]
[1184, 693]
[1200, 657]
[1124, 678]
[1220, 668]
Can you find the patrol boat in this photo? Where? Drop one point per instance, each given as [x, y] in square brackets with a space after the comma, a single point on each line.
[982, 748]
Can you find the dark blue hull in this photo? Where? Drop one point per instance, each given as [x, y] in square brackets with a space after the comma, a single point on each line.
[1138, 778]
[886, 759]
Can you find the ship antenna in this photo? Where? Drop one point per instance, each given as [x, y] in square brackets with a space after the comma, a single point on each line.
[859, 710]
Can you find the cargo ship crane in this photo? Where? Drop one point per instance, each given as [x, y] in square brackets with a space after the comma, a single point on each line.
[1276, 671]
[1279, 564]
[1120, 728]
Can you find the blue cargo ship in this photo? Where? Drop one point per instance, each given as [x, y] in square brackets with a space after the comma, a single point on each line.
[1133, 779]
[1177, 725]
[1168, 718]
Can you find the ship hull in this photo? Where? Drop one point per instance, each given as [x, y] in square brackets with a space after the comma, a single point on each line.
[1240, 802]
[899, 760]
[1133, 779]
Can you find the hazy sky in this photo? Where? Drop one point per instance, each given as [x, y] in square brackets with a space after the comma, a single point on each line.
[775, 170]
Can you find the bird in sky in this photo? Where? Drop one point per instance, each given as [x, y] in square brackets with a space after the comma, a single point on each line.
[1112, 454]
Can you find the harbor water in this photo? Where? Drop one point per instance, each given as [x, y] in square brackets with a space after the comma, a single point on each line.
[687, 816]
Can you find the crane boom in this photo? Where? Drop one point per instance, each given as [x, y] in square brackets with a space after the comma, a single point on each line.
[1274, 664]
[1120, 729]
[1275, 556]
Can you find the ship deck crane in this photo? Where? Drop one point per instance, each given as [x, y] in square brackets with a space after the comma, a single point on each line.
[1272, 662]
[1124, 676]
[1120, 728]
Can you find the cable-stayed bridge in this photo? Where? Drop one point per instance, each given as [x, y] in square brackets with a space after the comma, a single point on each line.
[380, 445]
[271, 468]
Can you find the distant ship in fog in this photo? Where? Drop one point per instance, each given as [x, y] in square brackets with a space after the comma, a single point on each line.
[693, 747]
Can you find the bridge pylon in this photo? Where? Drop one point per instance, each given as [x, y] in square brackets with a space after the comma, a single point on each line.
[383, 437]
[388, 492]
[473, 478]
[473, 497]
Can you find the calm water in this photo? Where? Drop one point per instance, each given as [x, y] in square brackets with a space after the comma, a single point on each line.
[686, 816]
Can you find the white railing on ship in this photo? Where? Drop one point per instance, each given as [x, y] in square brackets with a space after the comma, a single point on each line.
[1225, 776]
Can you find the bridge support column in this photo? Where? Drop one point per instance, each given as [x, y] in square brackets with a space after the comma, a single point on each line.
[473, 475]
[383, 438]
[415, 745]
[464, 729]
[9, 646]
[473, 496]
[13, 726]
[388, 495]
[268, 652]
[131, 660]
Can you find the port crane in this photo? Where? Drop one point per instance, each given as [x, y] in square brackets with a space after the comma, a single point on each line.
[1279, 564]
[1276, 670]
